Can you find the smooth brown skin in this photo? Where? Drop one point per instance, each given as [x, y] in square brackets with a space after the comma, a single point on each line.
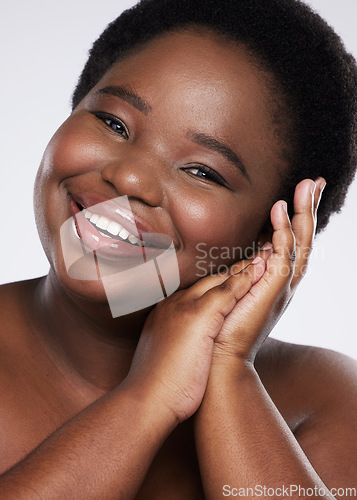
[147, 435]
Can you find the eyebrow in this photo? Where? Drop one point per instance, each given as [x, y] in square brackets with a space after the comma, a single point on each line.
[199, 138]
[128, 96]
[220, 148]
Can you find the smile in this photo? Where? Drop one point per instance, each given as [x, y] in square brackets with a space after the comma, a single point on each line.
[110, 228]
[96, 237]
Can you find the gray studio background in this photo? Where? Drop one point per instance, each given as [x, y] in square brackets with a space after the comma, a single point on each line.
[43, 48]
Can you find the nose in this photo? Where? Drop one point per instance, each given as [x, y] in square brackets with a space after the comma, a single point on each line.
[136, 176]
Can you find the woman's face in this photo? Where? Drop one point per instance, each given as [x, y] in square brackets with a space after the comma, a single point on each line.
[185, 129]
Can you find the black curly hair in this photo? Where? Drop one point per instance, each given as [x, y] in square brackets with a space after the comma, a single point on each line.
[316, 77]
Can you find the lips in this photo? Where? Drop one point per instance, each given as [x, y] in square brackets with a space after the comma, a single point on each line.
[114, 210]
[134, 239]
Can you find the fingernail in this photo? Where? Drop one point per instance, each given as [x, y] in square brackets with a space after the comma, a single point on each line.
[256, 260]
[313, 189]
[267, 246]
[323, 187]
[284, 206]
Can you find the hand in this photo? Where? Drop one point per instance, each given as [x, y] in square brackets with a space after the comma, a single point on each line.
[173, 358]
[253, 318]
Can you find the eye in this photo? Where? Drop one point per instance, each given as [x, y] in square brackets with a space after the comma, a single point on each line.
[114, 124]
[204, 172]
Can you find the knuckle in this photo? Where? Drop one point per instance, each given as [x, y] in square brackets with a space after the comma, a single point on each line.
[226, 286]
[187, 309]
[239, 267]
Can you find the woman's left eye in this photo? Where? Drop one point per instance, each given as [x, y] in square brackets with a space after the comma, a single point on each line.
[206, 173]
[114, 124]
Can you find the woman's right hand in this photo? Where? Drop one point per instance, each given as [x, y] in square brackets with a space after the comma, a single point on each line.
[173, 357]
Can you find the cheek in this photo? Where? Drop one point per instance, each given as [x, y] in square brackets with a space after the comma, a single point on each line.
[73, 148]
[71, 151]
[221, 225]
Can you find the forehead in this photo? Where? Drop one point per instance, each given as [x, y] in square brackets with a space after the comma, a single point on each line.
[208, 83]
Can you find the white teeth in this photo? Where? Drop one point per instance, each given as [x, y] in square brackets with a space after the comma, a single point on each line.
[111, 227]
[124, 234]
[94, 218]
[133, 239]
[114, 228]
[102, 222]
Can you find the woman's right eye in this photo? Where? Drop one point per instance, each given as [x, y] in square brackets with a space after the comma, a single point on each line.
[114, 124]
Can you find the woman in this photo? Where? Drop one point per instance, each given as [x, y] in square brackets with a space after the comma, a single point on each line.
[204, 118]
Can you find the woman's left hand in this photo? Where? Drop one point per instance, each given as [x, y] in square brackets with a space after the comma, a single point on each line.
[254, 316]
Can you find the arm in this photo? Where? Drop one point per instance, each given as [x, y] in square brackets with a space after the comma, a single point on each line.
[103, 452]
[243, 441]
[241, 438]
[106, 450]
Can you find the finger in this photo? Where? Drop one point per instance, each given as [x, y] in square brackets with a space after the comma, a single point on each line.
[280, 264]
[262, 305]
[204, 284]
[303, 224]
[320, 186]
[208, 282]
[306, 202]
[263, 252]
[219, 301]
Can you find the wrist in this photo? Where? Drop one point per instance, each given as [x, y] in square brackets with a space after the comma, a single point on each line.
[156, 413]
[230, 385]
[228, 377]
[230, 364]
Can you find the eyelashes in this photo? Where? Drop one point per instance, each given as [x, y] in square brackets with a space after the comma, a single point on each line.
[113, 123]
[197, 170]
[204, 172]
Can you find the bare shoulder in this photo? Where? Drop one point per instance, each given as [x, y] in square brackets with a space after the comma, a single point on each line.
[16, 327]
[301, 365]
[307, 376]
[15, 307]
[12, 294]
[316, 392]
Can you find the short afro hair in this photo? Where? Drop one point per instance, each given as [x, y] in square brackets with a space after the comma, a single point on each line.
[316, 76]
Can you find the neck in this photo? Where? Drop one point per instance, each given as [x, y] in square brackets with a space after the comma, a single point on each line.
[82, 338]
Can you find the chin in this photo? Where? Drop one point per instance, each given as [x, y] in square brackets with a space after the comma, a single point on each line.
[88, 290]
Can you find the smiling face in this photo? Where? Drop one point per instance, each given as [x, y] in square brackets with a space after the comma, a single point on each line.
[184, 128]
